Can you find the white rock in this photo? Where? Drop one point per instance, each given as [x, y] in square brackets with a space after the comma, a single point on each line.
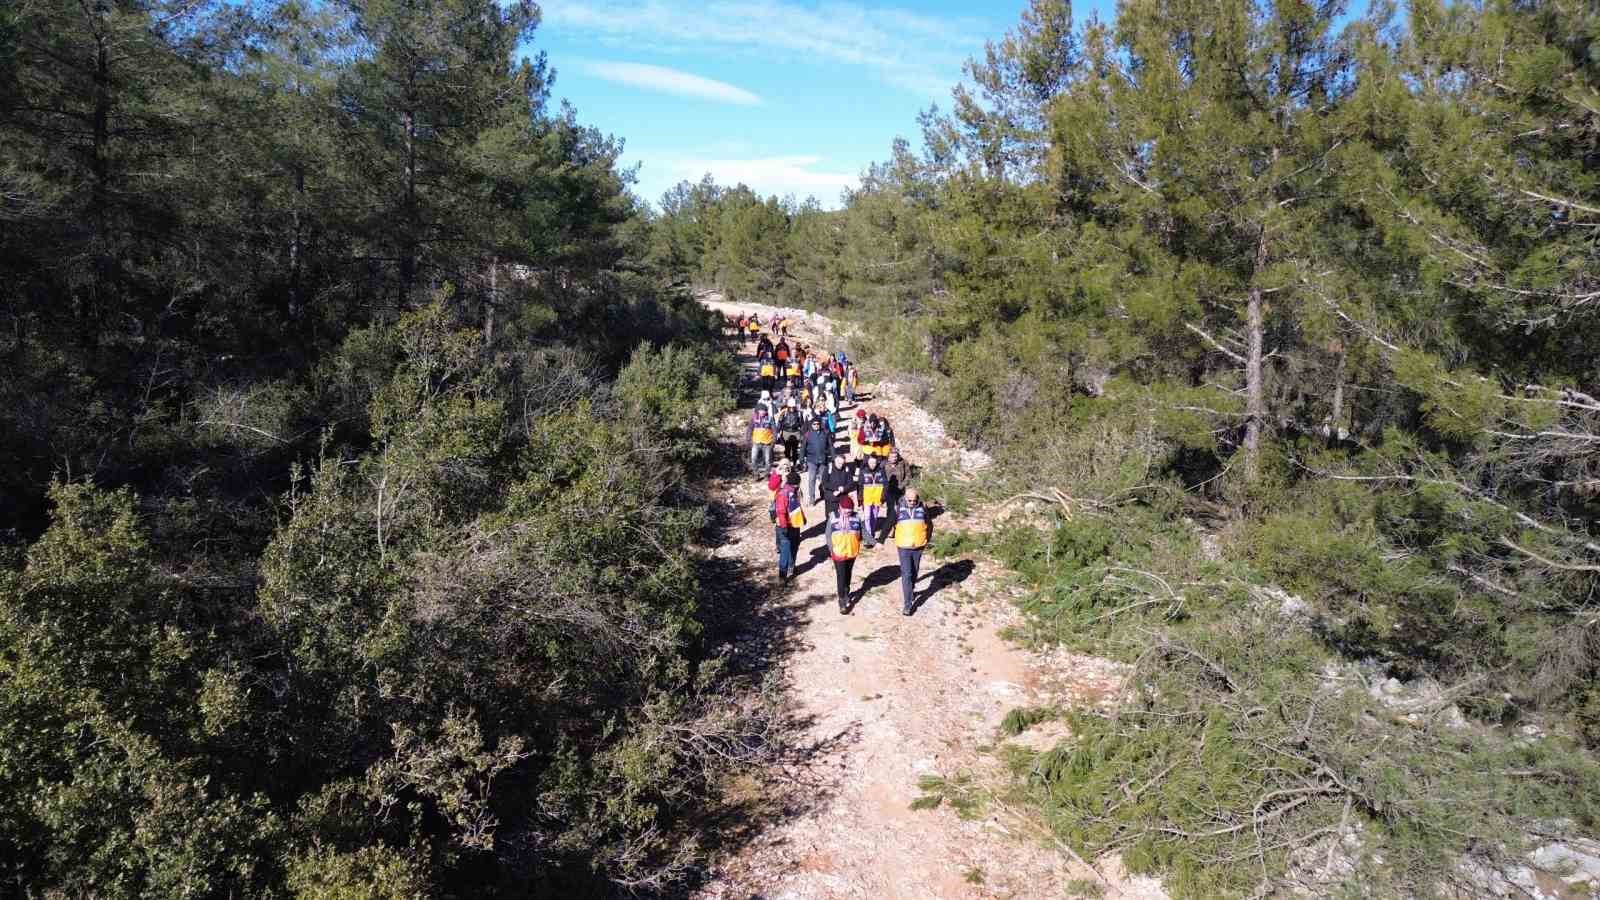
[1573, 861]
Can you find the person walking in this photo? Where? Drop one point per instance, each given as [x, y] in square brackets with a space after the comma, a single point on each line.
[857, 427]
[899, 470]
[818, 442]
[789, 431]
[910, 537]
[844, 545]
[874, 483]
[768, 371]
[787, 520]
[761, 435]
[840, 481]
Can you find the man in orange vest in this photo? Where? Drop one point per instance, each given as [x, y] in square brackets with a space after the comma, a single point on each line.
[844, 545]
[910, 537]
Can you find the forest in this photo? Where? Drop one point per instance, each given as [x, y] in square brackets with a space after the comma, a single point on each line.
[1284, 318]
[347, 426]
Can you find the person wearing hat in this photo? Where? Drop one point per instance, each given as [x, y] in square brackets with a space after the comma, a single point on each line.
[817, 444]
[844, 545]
[838, 482]
[762, 432]
[770, 404]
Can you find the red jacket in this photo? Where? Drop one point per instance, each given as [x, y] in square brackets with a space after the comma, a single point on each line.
[786, 500]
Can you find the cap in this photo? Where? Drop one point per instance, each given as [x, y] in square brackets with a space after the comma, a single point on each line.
[846, 503]
[766, 395]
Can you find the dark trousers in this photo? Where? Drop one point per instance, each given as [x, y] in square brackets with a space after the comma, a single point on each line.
[910, 561]
[788, 549]
[841, 574]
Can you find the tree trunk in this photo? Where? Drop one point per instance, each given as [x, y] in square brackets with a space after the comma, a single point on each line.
[492, 302]
[408, 249]
[1336, 430]
[93, 310]
[1255, 394]
[294, 245]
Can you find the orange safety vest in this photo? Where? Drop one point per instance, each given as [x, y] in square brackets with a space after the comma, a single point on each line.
[872, 495]
[761, 431]
[846, 543]
[911, 531]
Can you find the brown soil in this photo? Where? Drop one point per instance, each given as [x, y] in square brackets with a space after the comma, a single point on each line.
[879, 700]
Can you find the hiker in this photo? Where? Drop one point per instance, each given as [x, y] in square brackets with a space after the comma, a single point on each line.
[910, 536]
[839, 481]
[857, 432]
[787, 520]
[874, 484]
[825, 415]
[782, 352]
[789, 430]
[899, 470]
[875, 438]
[850, 382]
[817, 444]
[768, 371]
[761, 435]
[844, 545]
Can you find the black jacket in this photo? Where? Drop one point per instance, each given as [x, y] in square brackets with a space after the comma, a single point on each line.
[836, 483]
[818, 445]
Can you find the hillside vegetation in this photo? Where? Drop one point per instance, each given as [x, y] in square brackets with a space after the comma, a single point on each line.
[1289, 323]
[346, 428]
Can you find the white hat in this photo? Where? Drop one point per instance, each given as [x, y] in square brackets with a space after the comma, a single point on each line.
[766, 395]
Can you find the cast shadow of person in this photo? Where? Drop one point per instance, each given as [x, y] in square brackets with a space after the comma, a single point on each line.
[951, 573]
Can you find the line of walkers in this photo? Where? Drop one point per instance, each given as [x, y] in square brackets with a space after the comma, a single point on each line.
[866, 489]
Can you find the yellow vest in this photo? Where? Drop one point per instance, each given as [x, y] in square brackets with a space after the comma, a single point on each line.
[911, 533]
[846, 543]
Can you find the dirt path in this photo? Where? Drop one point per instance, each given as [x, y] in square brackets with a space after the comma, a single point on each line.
[880, 701]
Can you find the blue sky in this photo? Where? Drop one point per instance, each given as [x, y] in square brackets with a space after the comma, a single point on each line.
[787, 96]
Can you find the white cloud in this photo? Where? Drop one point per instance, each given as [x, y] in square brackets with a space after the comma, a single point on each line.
[768, 176]
[671, 81]
[911, 51]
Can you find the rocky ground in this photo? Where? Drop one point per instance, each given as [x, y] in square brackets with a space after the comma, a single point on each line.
[879, 701]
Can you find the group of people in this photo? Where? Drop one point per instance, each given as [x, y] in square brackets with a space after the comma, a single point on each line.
[864, 486]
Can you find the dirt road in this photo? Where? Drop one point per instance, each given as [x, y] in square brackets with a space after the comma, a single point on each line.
[880, 701]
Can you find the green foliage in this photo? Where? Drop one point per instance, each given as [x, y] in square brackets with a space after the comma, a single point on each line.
[963, 795]
[1021, 719]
